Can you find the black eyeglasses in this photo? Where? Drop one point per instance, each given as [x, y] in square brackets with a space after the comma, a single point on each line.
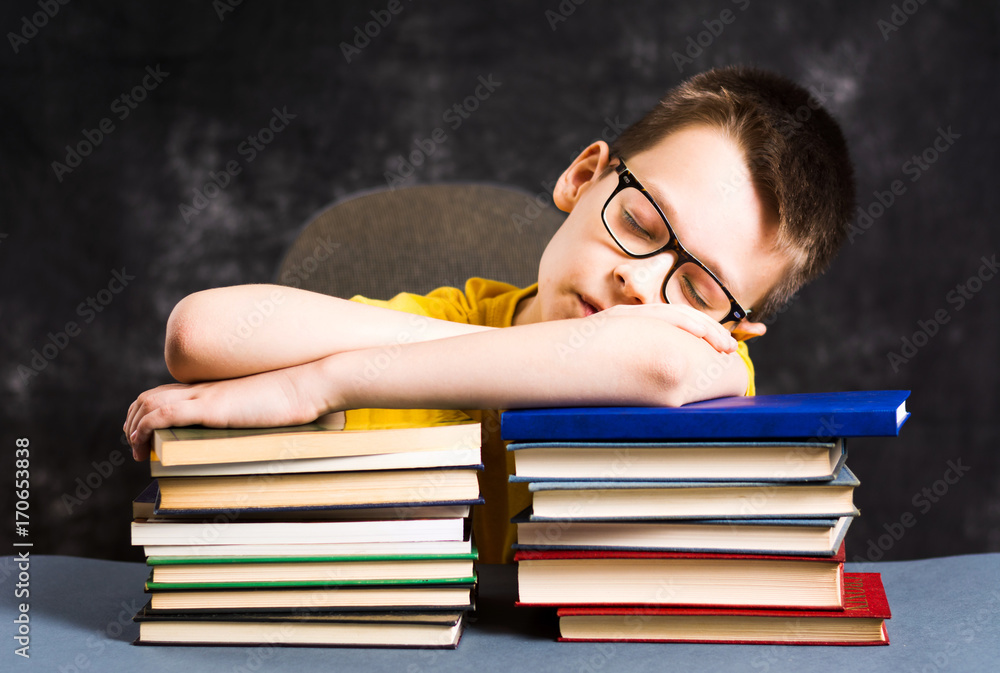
[641, 229]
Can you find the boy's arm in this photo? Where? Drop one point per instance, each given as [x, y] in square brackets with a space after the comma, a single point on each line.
[230, 332]
[613, 360]
[633, 360]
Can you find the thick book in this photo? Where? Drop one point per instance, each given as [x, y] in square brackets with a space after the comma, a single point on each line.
[676, 578]
[424, 596]
[460, 456]
[196, 445]
[358, 569]
[294, 533]
[391, 488]
[695, 461]
[144, 507]
[694, 500]
[328, 629]
[806, 537]
[302, 548]
[862, 622]
[817, 415]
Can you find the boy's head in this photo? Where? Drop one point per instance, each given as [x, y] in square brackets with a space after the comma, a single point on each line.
[751, 173]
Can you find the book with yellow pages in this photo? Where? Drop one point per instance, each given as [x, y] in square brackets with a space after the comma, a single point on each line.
[196, 445]
[389, 488]
[330, 629]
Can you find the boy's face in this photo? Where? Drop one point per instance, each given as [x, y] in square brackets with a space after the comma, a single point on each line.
[699, 180]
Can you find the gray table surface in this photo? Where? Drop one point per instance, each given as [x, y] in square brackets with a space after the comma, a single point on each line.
[946, 617]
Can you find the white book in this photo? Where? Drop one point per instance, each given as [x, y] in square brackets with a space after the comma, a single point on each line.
[310, 549]
[173, 532]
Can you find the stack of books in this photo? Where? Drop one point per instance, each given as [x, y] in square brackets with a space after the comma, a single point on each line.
[721, 521]
[309, 535]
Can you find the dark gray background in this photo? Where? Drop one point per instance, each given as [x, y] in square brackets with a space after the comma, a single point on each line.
[561, 84]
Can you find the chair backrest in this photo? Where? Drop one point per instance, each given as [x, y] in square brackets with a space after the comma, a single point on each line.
[415, 239]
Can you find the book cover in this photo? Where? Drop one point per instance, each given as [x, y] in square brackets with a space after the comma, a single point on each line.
[206, 550]
[391, 488]
[800, 537]
[568, 577]
[677, 461]
[226, 560]
[144, 504]
[817, 415]
[694, 500]
[291, 533]
[420, 597]
[302, 584]
[296, 572]
[572, 554]
[197, 445]
[861, 622]
[377, 628]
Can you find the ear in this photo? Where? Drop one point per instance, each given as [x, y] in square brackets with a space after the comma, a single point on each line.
[585, 170]
[746, 330]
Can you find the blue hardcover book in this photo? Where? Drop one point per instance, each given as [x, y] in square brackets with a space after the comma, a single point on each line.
[812, 415]
[599, 500]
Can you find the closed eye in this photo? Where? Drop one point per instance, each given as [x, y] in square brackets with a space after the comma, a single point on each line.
[692, 293]
[635, 227]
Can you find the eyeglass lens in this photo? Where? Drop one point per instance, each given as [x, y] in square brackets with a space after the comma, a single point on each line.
[640, 230]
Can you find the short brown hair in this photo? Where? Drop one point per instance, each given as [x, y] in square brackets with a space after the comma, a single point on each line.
[794, 150]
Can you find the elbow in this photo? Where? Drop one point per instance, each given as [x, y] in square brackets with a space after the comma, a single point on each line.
[667, 375]
[660, 370]
[180, 343]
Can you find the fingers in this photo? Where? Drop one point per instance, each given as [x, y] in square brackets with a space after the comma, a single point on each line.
[150, 411]
[176, 413]
[695, 323]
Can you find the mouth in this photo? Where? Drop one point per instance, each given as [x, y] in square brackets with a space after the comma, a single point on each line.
[588, 308]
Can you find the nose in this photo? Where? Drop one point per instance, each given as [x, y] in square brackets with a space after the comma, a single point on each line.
[641, 280]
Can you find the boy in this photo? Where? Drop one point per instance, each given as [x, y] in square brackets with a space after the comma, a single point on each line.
[722, 201]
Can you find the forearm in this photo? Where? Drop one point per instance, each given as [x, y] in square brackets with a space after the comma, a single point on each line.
[236, 331]
[637, 361]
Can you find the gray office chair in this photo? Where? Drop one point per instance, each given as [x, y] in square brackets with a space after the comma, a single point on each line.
[415, 239]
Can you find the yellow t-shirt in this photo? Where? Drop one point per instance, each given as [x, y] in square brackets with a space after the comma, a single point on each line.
[492, 304]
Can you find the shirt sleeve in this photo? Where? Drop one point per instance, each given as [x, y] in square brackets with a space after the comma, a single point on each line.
[744, 352]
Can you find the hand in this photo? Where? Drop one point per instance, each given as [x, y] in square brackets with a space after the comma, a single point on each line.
[686, 318]
[276, 398]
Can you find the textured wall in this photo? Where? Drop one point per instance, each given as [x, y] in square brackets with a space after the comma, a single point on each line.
[567, 74]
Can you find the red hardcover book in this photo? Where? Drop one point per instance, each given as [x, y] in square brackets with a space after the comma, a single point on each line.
[575, 577]
[862, 622]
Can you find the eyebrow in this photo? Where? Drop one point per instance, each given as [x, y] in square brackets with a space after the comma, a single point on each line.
[665, 205]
